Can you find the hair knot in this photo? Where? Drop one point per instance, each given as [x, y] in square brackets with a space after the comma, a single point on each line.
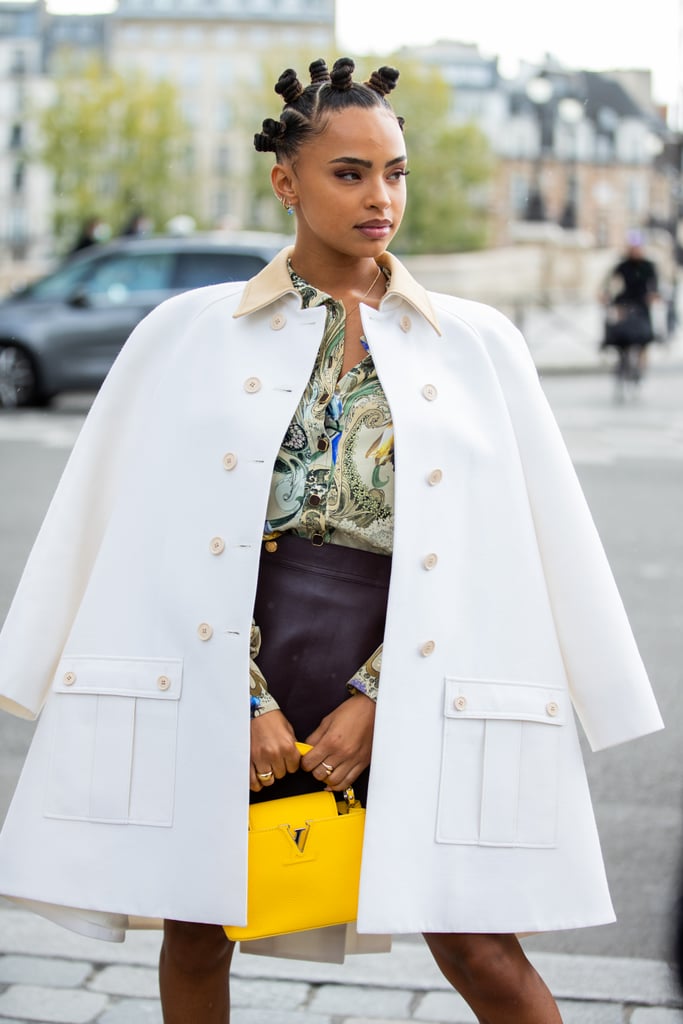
[288, 86]
[318, 72]
[266, 140]
[342, 74]
[383, 81]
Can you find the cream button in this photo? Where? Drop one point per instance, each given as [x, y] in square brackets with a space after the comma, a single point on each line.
[69, 678]
[405, 324]
[252, 385]
[217, 546]
[277, 322]
[435, 477]
[427, 648]
[429, 392]
[552, 708]
[429, 561]
[229, 460]
[460, 703]
[164, 683]
[204, 631]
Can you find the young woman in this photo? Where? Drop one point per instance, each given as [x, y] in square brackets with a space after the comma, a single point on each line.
[422, 518]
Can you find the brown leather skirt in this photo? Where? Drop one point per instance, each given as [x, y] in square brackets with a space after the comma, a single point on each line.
[321, 612]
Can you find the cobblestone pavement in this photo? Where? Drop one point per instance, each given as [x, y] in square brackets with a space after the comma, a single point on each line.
[53, 976]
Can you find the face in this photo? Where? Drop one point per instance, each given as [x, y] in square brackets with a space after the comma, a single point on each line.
[348, 184]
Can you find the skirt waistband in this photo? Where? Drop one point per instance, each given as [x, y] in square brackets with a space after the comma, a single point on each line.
[335, 560]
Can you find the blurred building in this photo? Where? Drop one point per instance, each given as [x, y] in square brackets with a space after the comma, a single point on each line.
[578, 149]
[213, 50]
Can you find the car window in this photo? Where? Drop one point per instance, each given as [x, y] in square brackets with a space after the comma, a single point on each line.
[196, 269]
[60, 285]
[122, 274]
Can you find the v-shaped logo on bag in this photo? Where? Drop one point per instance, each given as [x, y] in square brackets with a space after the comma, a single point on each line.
[299, 836]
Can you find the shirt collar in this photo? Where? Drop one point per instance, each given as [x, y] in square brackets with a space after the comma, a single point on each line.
[274, 281]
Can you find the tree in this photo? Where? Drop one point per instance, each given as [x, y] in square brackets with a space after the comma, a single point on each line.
[115, 145]
[450, 167]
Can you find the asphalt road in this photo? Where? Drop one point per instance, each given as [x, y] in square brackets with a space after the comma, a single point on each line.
[629, 457]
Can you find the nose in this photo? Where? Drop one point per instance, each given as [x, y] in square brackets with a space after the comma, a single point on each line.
[378, 195]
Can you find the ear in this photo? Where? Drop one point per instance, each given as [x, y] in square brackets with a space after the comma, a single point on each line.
[283, 184]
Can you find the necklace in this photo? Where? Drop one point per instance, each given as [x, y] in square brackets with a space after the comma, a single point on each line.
[365, 294]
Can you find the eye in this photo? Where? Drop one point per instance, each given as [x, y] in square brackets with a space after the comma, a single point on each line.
[401, 172]
[347, 175]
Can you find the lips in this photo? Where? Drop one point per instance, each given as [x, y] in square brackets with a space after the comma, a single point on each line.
[375, 228]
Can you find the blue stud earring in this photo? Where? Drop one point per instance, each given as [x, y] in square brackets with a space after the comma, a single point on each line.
[290, 211]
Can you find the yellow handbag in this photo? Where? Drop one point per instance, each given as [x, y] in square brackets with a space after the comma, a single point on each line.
[303, 864]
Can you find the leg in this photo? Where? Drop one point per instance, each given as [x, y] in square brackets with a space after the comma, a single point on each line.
[494, 977]
[194, 971]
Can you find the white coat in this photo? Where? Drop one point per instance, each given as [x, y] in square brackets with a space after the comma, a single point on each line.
[129, 633]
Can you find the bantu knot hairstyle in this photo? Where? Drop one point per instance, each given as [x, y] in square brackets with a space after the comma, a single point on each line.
[306, 109]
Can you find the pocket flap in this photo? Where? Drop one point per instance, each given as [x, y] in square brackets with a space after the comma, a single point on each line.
[531, 702]
[156, 678]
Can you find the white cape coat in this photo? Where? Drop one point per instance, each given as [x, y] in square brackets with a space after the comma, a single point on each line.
[129, 635]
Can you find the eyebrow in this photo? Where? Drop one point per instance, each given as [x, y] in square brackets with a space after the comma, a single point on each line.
[366, 163]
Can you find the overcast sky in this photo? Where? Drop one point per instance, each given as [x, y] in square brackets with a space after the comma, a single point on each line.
[591, 34]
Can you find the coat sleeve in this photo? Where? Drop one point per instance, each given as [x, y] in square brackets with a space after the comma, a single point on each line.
[52, 585]
[608, 682]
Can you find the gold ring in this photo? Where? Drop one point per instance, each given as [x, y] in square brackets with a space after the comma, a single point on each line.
[328, 767]
[264, 775]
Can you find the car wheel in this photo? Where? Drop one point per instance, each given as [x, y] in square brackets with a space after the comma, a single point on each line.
[18, 382]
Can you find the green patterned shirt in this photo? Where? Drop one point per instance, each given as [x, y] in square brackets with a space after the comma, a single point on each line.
[333, 479]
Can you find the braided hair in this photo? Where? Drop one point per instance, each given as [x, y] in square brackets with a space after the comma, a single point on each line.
[306, 108]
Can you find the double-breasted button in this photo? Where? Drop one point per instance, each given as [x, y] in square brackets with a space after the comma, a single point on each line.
[204, 631]
[217, 546]
[552, 709]
[429, 392]
[460, 703]
[69, 678]
[164, 683]
[252, 385]
[429, 561]
[428, 647]
[405, 324]
[323, 443]
[229, 460]
[278, 321]
[435, 477]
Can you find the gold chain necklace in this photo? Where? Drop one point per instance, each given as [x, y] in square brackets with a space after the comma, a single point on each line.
[365, 294]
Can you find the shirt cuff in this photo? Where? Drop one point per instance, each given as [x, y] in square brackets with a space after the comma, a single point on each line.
[366, 679]
[260, 698]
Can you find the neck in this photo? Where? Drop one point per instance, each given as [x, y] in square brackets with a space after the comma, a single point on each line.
[339, 279]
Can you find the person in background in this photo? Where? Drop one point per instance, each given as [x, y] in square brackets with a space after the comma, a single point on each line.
[325, 505]
[630, 289]
[93, 231]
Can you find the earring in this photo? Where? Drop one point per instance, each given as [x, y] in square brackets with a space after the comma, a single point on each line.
[289, 209]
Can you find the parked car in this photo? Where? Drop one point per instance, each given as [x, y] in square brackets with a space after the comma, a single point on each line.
[63, 331]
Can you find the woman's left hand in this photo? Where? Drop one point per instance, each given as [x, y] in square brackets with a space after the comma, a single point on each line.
[342, 743]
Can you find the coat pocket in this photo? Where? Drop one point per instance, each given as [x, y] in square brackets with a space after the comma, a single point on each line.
[500, 763]
[113, 752]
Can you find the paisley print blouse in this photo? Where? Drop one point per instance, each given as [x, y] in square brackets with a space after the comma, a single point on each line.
[333, 479]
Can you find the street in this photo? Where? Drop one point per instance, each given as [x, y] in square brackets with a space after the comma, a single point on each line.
[629, 457]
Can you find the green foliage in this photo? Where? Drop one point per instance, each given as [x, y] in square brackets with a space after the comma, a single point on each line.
[115, 144]
[450, 166]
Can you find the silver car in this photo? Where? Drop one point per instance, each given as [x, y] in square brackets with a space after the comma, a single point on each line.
[63, 332]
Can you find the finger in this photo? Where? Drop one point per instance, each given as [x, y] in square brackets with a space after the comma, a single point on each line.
[265, 776]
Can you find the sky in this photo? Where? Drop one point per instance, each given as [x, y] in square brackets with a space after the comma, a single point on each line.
[590, 34]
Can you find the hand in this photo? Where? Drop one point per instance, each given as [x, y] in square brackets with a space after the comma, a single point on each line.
[342, 741]
[272, 749]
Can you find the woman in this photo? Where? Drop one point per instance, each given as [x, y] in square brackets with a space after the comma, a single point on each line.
[360, 417]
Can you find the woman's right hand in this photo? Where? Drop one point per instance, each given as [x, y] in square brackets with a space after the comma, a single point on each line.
[273, 750]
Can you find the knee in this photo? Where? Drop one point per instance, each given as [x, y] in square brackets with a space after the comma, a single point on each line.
[481, 959]
[195, 948]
